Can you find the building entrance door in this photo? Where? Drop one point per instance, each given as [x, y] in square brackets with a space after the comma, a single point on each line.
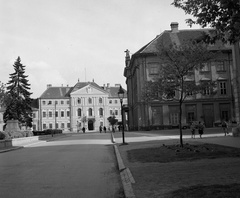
[90, 125]
[208, 114]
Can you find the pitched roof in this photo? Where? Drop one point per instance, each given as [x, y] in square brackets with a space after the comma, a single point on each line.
[80, 85]
[113, 92]
[168, 37]
[56, 93]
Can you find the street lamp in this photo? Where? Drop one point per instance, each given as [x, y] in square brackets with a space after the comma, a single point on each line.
[121, 96]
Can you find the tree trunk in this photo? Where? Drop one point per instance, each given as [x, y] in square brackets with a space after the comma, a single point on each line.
[180, 123]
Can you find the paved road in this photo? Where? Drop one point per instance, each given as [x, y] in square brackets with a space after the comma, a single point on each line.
[82, 165]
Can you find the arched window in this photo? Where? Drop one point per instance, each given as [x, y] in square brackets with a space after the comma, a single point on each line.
[101, 111]
[79, 112]
[90, 112]
[89, 100]
[100, 100]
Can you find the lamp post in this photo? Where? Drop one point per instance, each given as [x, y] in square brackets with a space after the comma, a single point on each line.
[121, 96]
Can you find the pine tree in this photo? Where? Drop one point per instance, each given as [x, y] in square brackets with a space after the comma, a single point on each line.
[18, 105]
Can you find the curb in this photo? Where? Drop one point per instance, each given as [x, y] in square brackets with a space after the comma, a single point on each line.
[11, 149]
[126, 176]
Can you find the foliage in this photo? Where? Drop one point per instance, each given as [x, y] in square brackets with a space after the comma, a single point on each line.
[2, 93]
[174, 81]
[112, 120]
[18, 101]
[223, 15]
[2, 135]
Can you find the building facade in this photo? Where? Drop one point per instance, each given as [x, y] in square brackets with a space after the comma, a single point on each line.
[85, 105]
[144, 65]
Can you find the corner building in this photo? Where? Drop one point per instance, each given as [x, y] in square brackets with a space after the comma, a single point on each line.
[144, 66]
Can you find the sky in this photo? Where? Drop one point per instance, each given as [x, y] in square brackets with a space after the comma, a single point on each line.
[63, 41]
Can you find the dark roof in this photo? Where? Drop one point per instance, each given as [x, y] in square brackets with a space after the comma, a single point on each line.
[113, 92]
[55, 93]
[168, 37]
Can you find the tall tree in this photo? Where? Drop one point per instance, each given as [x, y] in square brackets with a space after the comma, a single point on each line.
[18, 105]
[223, 15]
[175, 81]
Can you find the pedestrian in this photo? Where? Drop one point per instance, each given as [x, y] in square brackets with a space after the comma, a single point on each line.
[105, 129]
[225, 127]
[100, 129]
[83, 129]
[119, 128]
[193, 128]
[200, 129]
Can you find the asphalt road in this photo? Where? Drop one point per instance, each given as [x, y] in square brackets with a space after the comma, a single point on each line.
[82, 165]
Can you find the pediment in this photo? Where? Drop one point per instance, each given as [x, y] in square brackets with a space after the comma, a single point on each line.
[89, 90]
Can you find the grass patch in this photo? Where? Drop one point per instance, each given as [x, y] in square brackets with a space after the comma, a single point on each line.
[211, 191]
[189, 152]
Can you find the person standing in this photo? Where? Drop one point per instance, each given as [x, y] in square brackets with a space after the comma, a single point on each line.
[193, 128]
[105, 129]
[200, 129]
[100, 129]
[83, 129]
[225, 127]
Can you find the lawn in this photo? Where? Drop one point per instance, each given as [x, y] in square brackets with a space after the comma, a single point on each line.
[164, 169]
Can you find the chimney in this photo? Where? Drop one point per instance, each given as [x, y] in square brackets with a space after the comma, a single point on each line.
[49, 85]
[174, 27]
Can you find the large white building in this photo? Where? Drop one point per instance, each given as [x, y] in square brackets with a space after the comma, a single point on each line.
[85, 105]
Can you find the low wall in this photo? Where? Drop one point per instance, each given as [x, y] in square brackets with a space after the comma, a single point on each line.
[26, 140]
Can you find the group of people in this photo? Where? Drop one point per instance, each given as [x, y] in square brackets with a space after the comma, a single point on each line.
[200, 127]
[102, 129]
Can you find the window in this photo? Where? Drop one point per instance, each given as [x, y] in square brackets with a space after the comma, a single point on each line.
[56, 125]
[90, 113]
[68, 113]
[116, 101]
[49, 102]
[50, 126]
[44, 114]
[220, 66]
[50, 114]
[62, 113]
[56, 114]
[68, 125]
[89, 100]
[44, 126]
[101, 111]
[173, 118]
[223, 88]
[111, 112]
[206, 91]
[67, 101]
[153, 68]
[79, 100]
[79, 112]
[62, 125]
[62, 102]
[189, 93]
[205, 67]
[100, 100]
[44, 102]
[110, 101]
[116, 112]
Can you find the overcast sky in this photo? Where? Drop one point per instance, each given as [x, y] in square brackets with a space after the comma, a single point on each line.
[61, 41]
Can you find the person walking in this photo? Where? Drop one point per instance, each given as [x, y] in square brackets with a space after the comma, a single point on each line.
[105, 129]
[100, 129]
[225, 127]
[200, 129]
